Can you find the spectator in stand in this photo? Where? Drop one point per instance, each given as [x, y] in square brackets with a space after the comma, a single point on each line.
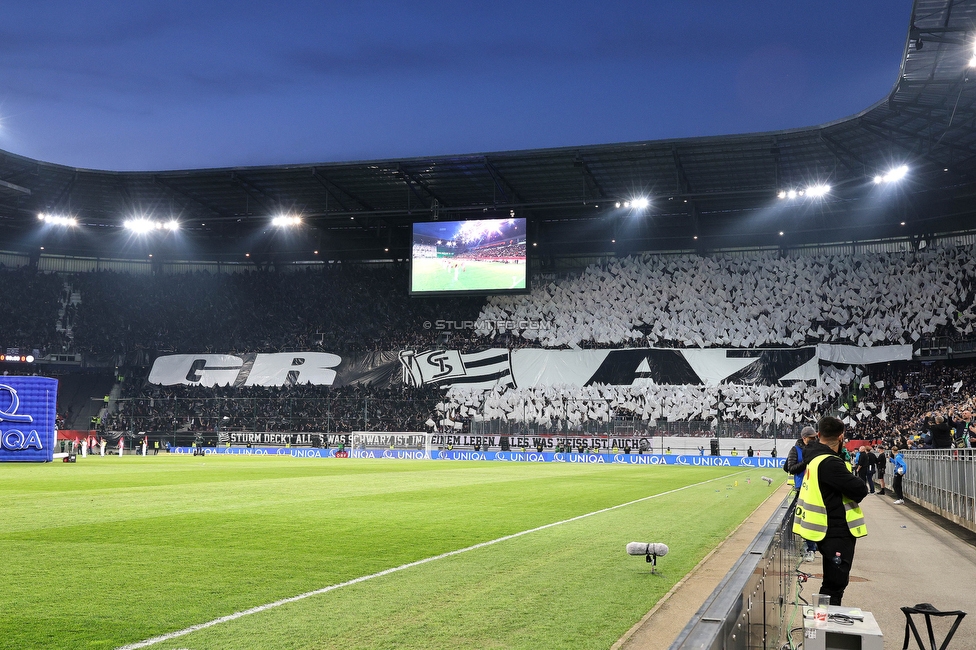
[963, 427]
[940, 431]
[796, 465]
[900, 469]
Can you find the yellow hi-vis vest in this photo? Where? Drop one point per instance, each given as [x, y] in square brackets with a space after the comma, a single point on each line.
[810, 521]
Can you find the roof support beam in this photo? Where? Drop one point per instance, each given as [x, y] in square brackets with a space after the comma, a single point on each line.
[328, 192]
[329, 182]
[183, 194]
[501, 183]
[680, 178]
[842, 154]
[15, 188]
[412, 180]
[588, 174]
[267, 202]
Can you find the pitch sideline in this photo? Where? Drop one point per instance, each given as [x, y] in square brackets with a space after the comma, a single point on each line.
[284, 601]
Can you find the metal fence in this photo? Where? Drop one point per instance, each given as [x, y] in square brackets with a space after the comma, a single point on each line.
[756, 604]
[943, 481]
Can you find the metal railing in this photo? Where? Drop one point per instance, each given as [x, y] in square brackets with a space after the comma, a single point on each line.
[755, 603]
[943, 481]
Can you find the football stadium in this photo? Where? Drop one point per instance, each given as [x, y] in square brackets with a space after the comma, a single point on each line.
[700, 392]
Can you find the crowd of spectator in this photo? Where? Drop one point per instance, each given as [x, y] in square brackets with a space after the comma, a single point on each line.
[571, 407]
[509, 251]
[339, 309]
[907, 398]
[752, 300]
[32, 302]
[297, 409]
[746, 300]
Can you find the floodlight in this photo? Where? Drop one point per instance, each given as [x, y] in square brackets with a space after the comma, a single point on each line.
[791, 194]
[139, 225]
[641, 202]
[285, 221]
[57, 219]
[972, 62]
[617, 204]
[818, 190]
[782, 194]
[172, 224]
[897, 173]
[894, 175]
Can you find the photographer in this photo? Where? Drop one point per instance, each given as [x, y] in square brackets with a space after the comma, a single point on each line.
[797, 466]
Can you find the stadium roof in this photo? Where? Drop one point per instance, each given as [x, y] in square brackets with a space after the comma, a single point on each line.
[705, 192]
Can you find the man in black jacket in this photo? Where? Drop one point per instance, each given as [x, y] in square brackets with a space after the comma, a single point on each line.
[836, 482]
[941, 433]
[865, 467]
[796, 465]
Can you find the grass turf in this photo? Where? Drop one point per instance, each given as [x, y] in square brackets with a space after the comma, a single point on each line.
[111, 551]
[478, 275]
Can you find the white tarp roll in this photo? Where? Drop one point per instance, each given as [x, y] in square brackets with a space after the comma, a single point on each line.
[555, 367]
[857, 356]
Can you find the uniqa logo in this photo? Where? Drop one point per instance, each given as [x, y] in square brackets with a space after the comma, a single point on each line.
[10, 415]
[14, 440]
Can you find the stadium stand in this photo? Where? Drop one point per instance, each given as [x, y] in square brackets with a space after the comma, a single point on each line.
[336, 309]
[747, 299]
[752, 300]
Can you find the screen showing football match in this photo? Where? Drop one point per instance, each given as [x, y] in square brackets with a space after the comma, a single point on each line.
[483, 256]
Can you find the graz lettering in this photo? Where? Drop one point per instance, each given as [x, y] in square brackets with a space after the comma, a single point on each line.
[265, 369]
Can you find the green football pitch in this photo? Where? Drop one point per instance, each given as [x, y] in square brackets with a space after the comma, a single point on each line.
[434, 275]
[109, 552]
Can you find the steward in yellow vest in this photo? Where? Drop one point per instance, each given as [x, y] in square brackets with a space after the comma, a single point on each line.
[826, 508]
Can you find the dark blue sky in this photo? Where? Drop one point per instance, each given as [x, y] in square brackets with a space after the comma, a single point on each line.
[164, 85]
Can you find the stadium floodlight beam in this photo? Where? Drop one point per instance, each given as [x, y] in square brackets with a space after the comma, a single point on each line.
[893, 175]
[139, 225]
[286, 221]
[172, 225]
[641, 203]
[58, 220]
[817, 190]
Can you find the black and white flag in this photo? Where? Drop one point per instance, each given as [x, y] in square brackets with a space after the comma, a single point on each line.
[451, 368]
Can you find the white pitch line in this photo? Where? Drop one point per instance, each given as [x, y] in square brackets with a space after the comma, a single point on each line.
[284, 601]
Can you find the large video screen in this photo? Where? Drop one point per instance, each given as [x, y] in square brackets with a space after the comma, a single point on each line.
[484, 256]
